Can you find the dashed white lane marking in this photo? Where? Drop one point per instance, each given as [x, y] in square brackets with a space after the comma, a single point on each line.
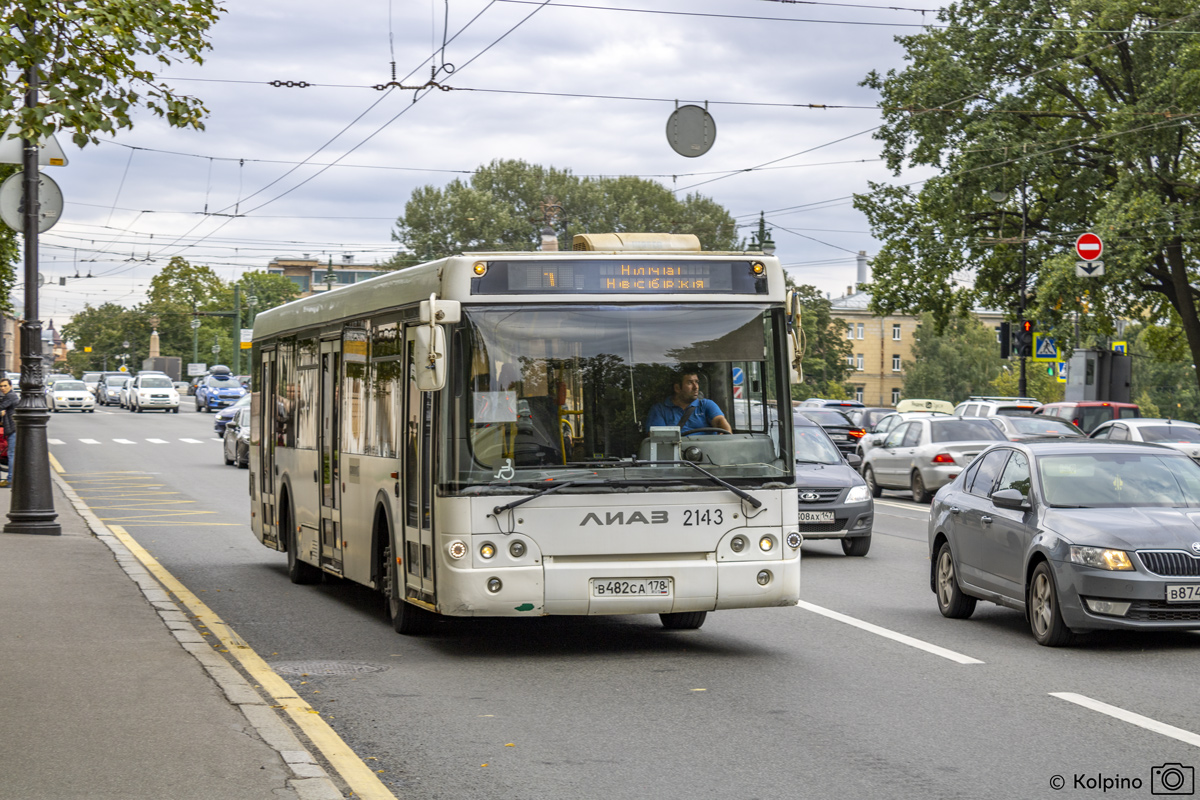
[192, 441]
[158, 441]
[124, 441]
[90, 441]
[887, 634]
[55, 441]
[1128, 716]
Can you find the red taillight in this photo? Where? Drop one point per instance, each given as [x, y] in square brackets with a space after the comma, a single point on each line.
[856, 433]
[943, 458]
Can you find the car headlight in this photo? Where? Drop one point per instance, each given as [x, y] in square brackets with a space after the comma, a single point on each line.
[858, 494]
[1101, 558]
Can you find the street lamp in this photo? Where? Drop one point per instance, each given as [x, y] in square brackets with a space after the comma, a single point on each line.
[999, 197]
[195, 323]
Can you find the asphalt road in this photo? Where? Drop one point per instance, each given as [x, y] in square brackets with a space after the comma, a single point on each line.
[860, 692]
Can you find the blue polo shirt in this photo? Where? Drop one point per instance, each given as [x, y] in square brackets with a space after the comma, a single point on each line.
[667, 413]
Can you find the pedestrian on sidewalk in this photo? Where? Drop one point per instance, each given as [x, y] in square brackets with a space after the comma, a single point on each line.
[8, 401]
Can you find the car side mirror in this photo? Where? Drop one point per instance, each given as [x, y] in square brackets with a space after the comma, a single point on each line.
[876, 440]
[1010, 498]
[853, 459]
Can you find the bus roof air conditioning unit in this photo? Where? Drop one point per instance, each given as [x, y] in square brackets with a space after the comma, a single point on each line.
[637, 242]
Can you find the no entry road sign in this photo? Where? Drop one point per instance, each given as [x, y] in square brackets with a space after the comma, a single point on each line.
[1089, 247]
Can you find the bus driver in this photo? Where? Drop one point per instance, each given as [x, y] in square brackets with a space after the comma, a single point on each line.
[686, 409]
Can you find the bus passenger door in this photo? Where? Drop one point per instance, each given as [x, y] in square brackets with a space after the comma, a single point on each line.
[328, 445]
[417, 471]
[268, 440]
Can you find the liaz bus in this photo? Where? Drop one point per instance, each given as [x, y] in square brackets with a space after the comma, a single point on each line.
[471, 436]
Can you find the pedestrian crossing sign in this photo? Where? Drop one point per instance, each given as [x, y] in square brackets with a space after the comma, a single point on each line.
[1044, 348]
[1062, 371]
[1120, 348]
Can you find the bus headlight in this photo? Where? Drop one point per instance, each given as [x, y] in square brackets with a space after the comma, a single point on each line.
[516, 549]
[494, 585]
[457, 549]
[766, 543]
[487, 550]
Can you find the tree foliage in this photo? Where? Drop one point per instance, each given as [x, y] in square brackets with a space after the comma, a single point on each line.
[506, 203]
[825, 347]
[1083, 112]
[91, 57]
[952, 361]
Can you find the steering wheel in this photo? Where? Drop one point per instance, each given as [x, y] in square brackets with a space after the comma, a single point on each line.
[702, 430]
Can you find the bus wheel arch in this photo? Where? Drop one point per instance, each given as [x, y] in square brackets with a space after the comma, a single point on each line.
[299, 572]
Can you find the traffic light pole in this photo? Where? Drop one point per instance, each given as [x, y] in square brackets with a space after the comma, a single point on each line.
[1022, 387]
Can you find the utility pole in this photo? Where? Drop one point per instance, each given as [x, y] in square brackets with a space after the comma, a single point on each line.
[237, 329]
[32, 506]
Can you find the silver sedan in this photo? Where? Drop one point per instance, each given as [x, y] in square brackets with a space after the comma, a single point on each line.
[1182, 436]
[922, 455]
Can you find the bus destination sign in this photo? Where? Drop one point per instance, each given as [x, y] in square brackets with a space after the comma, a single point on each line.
[621, 277]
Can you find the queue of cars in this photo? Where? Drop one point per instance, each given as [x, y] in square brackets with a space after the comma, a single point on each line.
[1081, 516]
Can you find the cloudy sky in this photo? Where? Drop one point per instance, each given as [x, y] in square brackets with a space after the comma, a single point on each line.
[586, 86]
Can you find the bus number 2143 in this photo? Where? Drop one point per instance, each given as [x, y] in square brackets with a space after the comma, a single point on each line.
[709, 516]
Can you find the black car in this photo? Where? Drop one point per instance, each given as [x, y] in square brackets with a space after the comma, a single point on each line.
[834, 500]
[845, 434]
[1077, 534]
[868, 418]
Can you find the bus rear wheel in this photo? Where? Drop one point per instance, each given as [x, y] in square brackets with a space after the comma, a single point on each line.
[406, 618]
[683, 620]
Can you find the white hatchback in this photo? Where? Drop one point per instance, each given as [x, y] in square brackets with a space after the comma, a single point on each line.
[150, 392]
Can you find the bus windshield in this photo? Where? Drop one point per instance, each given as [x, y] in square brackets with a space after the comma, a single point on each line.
[548, 391]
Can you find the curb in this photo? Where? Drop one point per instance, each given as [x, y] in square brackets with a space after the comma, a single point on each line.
[309, 779]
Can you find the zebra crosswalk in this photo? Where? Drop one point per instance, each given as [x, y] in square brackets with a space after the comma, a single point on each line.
[131, 441]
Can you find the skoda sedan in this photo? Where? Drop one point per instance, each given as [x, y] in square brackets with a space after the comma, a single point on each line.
[1078, 534]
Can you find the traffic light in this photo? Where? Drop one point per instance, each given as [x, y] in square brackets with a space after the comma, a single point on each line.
[1025, 338]
[1005, 340]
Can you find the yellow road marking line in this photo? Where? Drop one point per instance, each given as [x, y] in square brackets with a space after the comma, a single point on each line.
[176, 524]
[57, 467]
[353, 770]
[158, 516]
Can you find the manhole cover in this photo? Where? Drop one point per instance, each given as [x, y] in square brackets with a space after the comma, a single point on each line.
[324, 668]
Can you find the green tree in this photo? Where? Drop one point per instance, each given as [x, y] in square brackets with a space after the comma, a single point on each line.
[268, 289]
[505, 205]
[105, 328]
[1080, 113]
[1163, 379]
[825, 347]
[952, 362]
[1041, 382]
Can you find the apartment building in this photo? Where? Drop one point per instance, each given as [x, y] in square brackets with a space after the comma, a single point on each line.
[312, 277]
[881, 345]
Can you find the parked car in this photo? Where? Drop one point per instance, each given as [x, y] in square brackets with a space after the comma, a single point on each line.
[222, 417]
[1182, 436]
[108, 391]
[217, 390]
[1032, 426]
[834, 501]
[54, 377]
[150, 391]
[1079, 534]
[70, 396]
[922, 455]
[844, 433]
[1088, 414]
[991, 406]
[236, 439]
[875, 437]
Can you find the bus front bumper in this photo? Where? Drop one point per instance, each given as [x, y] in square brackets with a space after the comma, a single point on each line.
[569, 587]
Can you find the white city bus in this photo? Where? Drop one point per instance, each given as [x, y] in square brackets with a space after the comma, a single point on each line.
[469, 436]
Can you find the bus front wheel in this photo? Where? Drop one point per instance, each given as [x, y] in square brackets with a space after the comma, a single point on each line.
[406, 618]
[683, 621]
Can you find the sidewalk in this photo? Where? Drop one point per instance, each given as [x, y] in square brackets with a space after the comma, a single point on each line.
[99, 699]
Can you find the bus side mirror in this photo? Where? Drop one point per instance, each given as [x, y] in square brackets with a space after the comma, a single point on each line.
[430, 357]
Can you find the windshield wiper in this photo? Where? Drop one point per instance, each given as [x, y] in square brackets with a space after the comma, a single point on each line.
[749, 498]
[498, 510]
